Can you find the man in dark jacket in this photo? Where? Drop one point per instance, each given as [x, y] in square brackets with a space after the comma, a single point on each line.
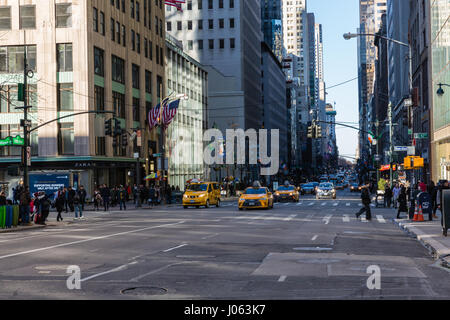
[82, 193]
[387, 196]
[24, 206]
[106, 195]
[70, 194]
[122, 196]
[365, 198]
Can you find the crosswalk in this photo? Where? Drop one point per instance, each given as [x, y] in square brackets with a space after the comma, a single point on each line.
[327, 219]
[309, 204]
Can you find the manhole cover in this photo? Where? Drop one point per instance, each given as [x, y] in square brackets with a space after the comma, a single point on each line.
[144, 291]
[312, 249]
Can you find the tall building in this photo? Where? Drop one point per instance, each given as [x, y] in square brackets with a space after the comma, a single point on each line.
[419, 31]
[225, 35]
[274, 99]
[184, 140]
[440, 73]
[85, 56]
[370, 18]
[272, 26]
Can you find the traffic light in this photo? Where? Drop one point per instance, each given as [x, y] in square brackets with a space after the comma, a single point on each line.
[108, 127]
[318, 131]
[124, 139]
[405, 116]
[117, 128]
[311, 132]
[114, 142]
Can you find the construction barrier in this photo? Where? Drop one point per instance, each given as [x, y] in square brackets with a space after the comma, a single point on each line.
[418, 215]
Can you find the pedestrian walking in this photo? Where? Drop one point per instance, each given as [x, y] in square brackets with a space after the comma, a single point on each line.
[66, 199]
[59, 205]
[106, 195]
[402, 202]
[82, 192]
[122, 198]
[396, 193]
[2, 199]
[97, 199]
[152, 195]
[24, 206]
[387, 196]
[77, 206]
[70, 194]
[365, 199]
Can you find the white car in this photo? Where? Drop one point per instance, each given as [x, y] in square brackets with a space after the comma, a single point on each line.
[326, 190]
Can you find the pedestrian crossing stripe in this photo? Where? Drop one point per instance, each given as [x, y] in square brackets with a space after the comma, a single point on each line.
[346, 218]
[380, 218]
[348, 204]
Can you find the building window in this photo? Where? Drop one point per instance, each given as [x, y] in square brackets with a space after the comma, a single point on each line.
[65, 97]
[232, 43]
[221, 4]
[63, 15]
[200, 44]
[136, 109]
[118, 4]
[133, 41]
[150, 47]
[113, 31]
[221, 23]
[148, 81]
[189, 25]
[211, 43]
[5, 18]
[210, 4]
[123, 6]
[66, 139]
[178, 25]
[231, 3]
[132, 8]
[118, 69]
[124, 36]
[169, 26]
[138, 43]
[159, 86]
[119, 104]
[100, 146]
[99, 62]
[95, 18]
[189, 4]
[64, 53]
[99, 98]
[200, 24]
[102, 23]
[231, 23]
[118, 32]
[200, 4]
[146, 47]
[222, 43]
[138, 13]
[210, 23]
[11, 59]
[28, 17]
[135, 76]
[190, 45]
[161, 56]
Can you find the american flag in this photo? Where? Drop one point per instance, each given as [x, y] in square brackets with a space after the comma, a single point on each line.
[170, 111]
[175, 3]
[154, 114]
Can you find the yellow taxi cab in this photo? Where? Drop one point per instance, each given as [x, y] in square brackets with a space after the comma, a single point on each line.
[287, 192]
[256, 197]
[200, 193]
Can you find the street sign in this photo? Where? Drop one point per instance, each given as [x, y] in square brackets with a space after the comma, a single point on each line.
[407, 103]
[12, 141]
[400, 148]
[420, 135]
[377, 157]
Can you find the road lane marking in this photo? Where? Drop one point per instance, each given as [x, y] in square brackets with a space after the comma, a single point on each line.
[290, 217]
[286, 204]
[348, 204]
[120, 268]
[380, 218]
[363, 219]
[300, 203]
[181, 245]
[87, 240]
[282, 278]
[346, 218]
[311, 204]
[327, 218]
[359, 204]
[314, 238]
[323, 204]
[210, 236]
[335, 204]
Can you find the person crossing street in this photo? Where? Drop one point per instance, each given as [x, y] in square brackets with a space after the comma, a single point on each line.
[365, 199]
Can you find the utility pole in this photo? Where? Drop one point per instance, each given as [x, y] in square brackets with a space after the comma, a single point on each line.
[391, 146]
[26, 142]
[377, 124]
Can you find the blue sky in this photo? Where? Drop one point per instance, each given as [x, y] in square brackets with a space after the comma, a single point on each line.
[340, 64]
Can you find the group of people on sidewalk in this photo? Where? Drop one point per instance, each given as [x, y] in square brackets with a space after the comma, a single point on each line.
[405, 198]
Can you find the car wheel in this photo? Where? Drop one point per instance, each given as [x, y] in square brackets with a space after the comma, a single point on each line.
[207, 204]
[240, 209]
[185, 207]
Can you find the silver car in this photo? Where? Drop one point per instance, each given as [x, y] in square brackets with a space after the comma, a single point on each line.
[326, 190]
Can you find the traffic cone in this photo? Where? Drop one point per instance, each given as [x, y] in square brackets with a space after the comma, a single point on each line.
[416, 218]
[420, 215]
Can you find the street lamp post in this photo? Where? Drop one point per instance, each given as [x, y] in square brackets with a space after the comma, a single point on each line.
[348, 36]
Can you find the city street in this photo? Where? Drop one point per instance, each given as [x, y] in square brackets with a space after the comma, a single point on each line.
[313, 249]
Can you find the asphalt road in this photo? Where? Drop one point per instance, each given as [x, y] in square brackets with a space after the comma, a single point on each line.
[313, 249]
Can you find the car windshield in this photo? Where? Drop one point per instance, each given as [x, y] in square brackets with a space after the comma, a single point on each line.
[198, 187]
[326, 185]
[283, 188]
[255, 191]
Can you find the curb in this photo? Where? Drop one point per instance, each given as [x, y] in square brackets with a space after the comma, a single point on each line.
[437, 249]
[19, 229]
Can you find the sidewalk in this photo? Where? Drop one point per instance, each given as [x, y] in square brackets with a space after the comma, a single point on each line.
[429, 233]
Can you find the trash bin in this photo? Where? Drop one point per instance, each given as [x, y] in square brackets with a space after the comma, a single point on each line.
[445, 211]
[2, 216]
[15, 222]
[8, 217]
